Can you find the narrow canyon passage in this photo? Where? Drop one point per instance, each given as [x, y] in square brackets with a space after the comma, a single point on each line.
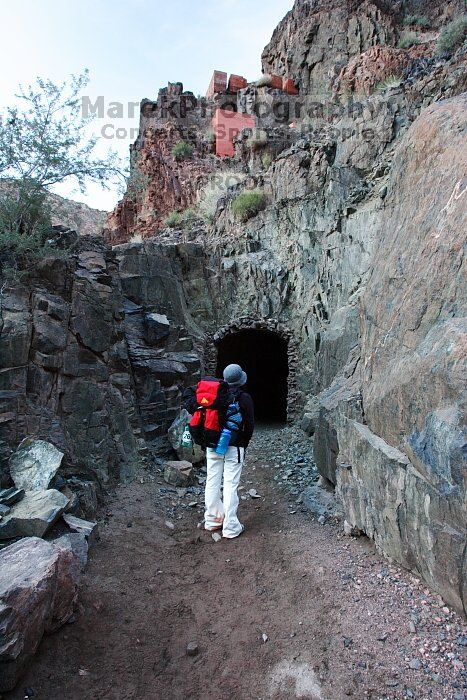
[291, 609]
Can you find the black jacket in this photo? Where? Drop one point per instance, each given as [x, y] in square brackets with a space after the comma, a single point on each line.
[242, 438]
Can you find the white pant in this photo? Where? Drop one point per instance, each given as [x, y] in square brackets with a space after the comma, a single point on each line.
[224, 513]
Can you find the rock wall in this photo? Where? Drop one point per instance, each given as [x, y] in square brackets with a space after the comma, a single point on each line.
[315, 40]
[166, 300]
[402, 475]
[65, 369]
[95, 353]
[162, 183]
[355, 258]
[391, 432]
[318, 38]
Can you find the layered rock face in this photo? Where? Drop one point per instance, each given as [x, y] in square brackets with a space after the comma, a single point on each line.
[402, 475]
[391, 431]
[96, 353]
[171, 185]
[317, 38]
[353, 259]
[66, 374]
[164, 183]
[159, 287]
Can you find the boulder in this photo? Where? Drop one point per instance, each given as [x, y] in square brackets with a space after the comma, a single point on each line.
[76, 543]
[86, 528]
[10, 496]
[194, 454]
[73, 500]
[385, 496]
[308, 423]
[86, 492]
[320, 501]
[156, 328]
[38, 590]
[178, 473]
[34, 515]
[34, 464]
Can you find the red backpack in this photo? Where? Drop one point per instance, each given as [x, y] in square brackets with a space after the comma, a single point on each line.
[212, 399]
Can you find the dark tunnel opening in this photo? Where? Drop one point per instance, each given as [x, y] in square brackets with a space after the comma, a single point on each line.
[263, 356]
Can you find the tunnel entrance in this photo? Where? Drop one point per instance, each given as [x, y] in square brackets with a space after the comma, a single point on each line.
[263, 356]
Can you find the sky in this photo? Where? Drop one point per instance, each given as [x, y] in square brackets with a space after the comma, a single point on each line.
[131, 48]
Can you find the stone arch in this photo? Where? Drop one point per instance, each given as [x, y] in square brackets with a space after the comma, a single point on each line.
[251, 323]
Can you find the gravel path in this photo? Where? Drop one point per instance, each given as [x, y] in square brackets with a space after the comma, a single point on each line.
[291, 609]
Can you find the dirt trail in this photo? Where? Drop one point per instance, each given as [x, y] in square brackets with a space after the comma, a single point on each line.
[339, 620]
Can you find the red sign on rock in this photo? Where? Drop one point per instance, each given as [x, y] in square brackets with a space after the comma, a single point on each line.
[227, 124]
[218, 83]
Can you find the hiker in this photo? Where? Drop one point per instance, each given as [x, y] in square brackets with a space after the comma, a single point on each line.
[222, 407]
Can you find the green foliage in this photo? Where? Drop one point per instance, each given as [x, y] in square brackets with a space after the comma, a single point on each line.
[266, 160]
[43, 141]
[452, 36]
[25, 227]
[216, 187]
[407, 40]
[391, 81]
[248, 203]
[173, 220]
[417, 21]
[47, 139]
[181, 219]
[182, 150]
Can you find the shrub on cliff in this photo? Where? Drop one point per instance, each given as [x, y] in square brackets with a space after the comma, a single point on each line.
[417, 21]
[407, 40]
[392, 81]
[452, 36]
[216, 188]
[181, 219]
[43, 141]
[266, 160]
[248, 203]
[182, 150]
[25, 226]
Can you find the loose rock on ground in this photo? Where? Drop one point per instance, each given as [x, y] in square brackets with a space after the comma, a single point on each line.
[340, 620]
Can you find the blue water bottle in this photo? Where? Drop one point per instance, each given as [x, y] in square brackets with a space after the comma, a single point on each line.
[224, 442]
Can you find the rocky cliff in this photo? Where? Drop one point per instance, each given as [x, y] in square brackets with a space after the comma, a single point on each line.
[390, 430]
[77, 216]
[318, 39]
[65, 369]
[354, 259]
